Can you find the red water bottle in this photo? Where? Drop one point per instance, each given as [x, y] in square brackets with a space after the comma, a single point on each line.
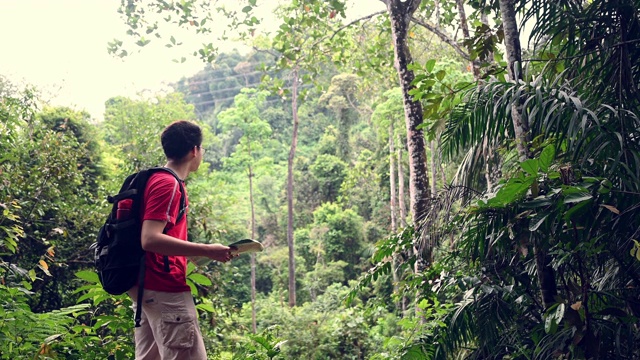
[124, 209]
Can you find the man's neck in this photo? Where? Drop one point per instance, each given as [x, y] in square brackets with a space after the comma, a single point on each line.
[181, 169]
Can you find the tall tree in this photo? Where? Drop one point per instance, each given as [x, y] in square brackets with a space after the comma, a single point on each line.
[514, 68]
[400, 14]
[546, 274]
[297, 42]
[245, 116]
[292, 154]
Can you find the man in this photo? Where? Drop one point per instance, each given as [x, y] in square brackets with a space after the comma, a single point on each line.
[169, 328]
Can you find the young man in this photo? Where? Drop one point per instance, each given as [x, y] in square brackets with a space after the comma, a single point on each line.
[169, 327]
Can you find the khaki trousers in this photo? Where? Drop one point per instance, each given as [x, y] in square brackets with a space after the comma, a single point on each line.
[169, 328]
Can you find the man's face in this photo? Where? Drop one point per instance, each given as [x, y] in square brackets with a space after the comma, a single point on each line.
[199, 155]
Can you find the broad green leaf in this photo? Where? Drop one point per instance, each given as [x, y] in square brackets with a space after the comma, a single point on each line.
[192, 286]
[430, 65]
[513, 190]
[208, 307]
[551, 320]
[530, 166]
[546, 158]
[200, 279]
[539, 201]
[576, 197]
[635, 250]
[414, 353]
[577, 210]
[89, 276]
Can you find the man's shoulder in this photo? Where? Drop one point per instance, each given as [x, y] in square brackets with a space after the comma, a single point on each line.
[162, 179]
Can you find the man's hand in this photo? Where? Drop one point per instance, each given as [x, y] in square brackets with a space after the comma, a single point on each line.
[218, 252]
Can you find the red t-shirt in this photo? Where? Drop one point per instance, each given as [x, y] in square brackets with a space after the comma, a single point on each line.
[162, 202]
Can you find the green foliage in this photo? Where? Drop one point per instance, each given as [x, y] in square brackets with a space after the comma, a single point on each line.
[341, 98]
[323, 328]
[24, 334]
[329, 171]
[343, 237]
[552, 209]
[245, 116]
[389, 113]
[265, 345]
[360, 189]
[439, 86]
[568, 216]
[132, 128]
[110, 323]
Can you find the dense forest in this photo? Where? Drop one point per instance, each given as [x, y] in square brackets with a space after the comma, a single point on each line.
[435, 180]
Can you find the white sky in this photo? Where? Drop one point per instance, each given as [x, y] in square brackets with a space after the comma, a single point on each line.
[60, 46]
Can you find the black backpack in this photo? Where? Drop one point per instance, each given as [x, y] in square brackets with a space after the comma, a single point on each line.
[119, 257]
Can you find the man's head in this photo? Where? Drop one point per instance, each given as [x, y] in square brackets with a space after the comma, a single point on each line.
[179, 138]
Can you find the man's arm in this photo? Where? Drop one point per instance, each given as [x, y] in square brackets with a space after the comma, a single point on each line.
[154, 240]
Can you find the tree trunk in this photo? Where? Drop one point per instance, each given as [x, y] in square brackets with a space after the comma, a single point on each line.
[467, 35]
[392, 181]
[401, 204]
[546, 274]
[253, 256]
[400, 13]
[443, 176]
[514, 58]
[486, 151]
[292, 152]
[402, 214]
[392, 204]
[432, 161]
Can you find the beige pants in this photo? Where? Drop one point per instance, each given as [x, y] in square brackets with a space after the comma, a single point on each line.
[169, 328]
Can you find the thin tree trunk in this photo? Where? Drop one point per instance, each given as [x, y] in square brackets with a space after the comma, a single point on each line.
[467, 35]
[546, 274]
[292, 152]
[392, 204]
[253, 256]
[392, 181]
[440, 164]
[487, 163]
[253, 236]
[432, 161]
[514, 58]
[401, 204]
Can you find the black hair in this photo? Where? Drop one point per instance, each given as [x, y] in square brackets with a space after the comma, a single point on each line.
[179, 138]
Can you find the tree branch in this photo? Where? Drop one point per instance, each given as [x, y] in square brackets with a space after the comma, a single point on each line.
[442, 37]
[356, 108]
[356, 21]
[275, 55]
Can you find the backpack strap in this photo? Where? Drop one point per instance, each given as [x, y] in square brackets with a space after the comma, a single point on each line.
[141, 272]
[183, 200]
[183, 206]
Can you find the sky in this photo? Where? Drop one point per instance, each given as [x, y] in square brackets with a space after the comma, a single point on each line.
[60, 47]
